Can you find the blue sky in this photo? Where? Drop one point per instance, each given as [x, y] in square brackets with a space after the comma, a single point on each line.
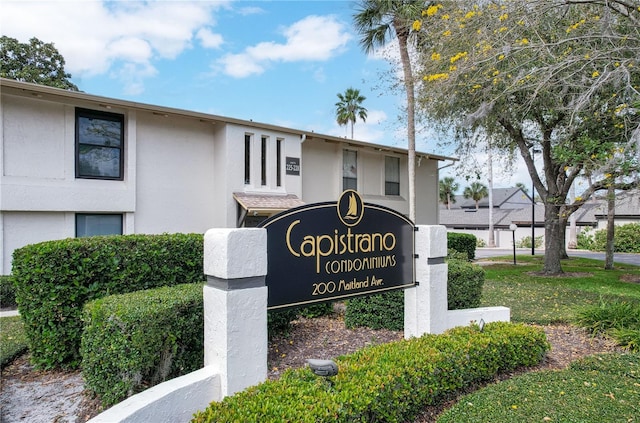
[279, 62]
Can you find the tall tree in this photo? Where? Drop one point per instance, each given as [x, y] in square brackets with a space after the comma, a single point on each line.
[492, 240]
[448, 189]
[476, 191]
[377, 21]
[541, 75]
[350, 108]
[523, 187]
[37, 62]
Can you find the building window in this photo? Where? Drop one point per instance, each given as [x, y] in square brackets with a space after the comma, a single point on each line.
[391, 175]
[350, 170]
[247, 159]
[263, 161]
[99, 145]
[278, 163]
[98, 224]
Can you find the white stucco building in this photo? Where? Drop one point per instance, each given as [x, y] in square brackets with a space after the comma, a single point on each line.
[74, 164]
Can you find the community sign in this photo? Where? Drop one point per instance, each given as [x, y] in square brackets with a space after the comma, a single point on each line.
[326, 251]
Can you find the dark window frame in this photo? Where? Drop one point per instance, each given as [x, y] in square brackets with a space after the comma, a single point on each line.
[279, 162]
[121, 215]
[247, 159]
[106, 116]
[349, 182]
[391, 187]
[263, 160]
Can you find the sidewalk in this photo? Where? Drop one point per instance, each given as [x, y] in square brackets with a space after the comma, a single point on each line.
[8, 313]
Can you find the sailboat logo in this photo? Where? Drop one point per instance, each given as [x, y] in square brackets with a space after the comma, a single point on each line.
[350, 208]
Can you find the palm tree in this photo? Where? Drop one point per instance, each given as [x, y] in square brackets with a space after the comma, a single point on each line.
[476, 191]
[448, 188]
[349, 108]
[377, 21]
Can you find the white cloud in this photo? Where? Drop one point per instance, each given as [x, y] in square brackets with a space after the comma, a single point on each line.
[132, 75]
[208, 39]
[246, 11]
[314, 38]
[119, 38]
[319, 75]
[240, 65]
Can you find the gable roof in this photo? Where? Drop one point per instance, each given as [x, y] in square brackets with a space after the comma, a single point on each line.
[501, 197]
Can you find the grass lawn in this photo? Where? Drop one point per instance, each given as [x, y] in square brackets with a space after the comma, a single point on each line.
[596, 389]
[12, 339]
[547, 300]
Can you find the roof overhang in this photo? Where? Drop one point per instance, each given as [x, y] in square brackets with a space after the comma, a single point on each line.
[346, 142]
[264, 204]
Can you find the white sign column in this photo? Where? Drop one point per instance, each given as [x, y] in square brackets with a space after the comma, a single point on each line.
[425, 305]
[235, 306]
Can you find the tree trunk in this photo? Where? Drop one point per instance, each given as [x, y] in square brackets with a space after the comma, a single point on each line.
[573, 234]
[562, 232]
[611, 213]
[552, 228]
[403, 40]
[492, 240]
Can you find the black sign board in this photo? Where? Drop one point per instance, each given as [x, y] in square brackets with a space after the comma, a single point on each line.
[292, 166]
[325, 251]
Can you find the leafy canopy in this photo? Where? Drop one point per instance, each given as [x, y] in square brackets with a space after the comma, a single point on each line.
[546, 75]
[36, 62]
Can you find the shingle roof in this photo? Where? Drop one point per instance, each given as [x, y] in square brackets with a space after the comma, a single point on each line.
[501, 196]
[267, 202]
[627, 205]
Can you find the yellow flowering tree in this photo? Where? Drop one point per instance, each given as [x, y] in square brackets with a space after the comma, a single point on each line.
[558, 76]
[378, 22]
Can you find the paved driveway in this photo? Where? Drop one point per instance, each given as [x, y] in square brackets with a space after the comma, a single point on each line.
[627, 258]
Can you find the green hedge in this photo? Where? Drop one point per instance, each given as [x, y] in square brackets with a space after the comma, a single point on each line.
[55, 279]
[133, 341]
[464, 285]
[463, 243]
[376, 311]
[137, 340]
[464, 290]
[7, 291]
[389, 382]
[626, 239]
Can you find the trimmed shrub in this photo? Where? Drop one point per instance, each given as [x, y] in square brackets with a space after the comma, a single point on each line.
[464, 243]
[134, 341]
[279, 321]
[386, 311]
[464, 285]
[585, 239]
[525, 242]
[7, 291]
[389, 382]
[55, 279]
[376, 311]
[626, 239]
[316, 310]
